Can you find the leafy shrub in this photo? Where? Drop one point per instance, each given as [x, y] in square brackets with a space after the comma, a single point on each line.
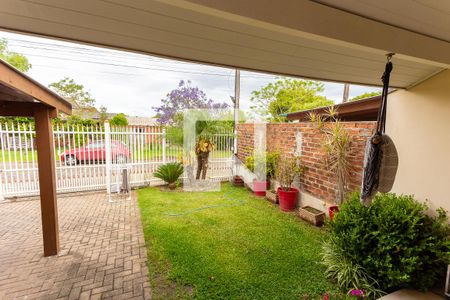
[271, 161]
[119, 120]
[286, 170]
[169, 172]
[393, 240]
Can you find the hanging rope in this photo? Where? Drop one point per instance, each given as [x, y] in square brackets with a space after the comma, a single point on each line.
[381, 120]
[381, 159]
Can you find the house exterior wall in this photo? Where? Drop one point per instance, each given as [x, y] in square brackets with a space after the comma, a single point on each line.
[418, 120]
[318, 184]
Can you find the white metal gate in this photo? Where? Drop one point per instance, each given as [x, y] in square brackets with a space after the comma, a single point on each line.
[91, 157]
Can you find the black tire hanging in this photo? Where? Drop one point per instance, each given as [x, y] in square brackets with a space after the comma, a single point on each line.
[381, 157]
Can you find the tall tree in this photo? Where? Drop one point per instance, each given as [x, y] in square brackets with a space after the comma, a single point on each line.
[119, 120]
[74, 93]
[366, 95]
[185, 96]
[170, 113]
[287, 95]
[103, 114]
[17, 60]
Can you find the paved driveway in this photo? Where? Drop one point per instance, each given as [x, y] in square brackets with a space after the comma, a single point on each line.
[102, 256]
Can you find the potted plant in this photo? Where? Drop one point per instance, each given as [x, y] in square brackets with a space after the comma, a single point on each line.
[238, 181]
[332, 210]
[169, 173]
[262, 182]
[286, 171]
[336, 144]
[337, 147]
[312, 215]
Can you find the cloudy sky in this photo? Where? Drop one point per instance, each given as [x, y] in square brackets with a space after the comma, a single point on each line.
[133, 83]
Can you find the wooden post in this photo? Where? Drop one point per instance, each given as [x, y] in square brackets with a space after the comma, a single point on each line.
[47, 179]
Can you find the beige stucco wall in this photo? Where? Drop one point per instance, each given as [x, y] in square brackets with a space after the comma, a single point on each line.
[418, 120]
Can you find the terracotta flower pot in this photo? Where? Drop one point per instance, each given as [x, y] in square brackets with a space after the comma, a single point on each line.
[238, 181]
[259, 188]
[332, 210]
[287, 199]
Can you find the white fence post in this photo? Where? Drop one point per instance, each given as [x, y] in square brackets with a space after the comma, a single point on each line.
[164, 145]
[86, 157]
[3, 148]
[108, 156]
[1, 187]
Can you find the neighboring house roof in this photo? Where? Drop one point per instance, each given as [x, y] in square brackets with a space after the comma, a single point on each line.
[93, 113]
[359, 110]
[141, 121]
[87, 112]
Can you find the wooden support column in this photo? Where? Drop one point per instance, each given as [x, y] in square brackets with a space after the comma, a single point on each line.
[47, 179]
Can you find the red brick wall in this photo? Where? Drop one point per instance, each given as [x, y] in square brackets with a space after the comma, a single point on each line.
[245, 141]
[317, 180]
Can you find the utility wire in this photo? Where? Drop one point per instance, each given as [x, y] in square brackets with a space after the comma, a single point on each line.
[119, 63]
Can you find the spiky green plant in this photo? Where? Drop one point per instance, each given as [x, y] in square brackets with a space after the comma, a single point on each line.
[337, 147]
[347, 274]
[169, 172]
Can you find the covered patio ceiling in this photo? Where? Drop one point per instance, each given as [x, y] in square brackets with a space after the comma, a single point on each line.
[341, 41]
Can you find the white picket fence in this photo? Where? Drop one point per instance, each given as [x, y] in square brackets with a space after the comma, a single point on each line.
[93, 157]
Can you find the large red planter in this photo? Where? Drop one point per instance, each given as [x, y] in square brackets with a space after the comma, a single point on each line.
[287, 199]
[259, 188]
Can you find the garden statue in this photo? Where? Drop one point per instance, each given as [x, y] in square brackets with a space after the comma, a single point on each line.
[202, 150]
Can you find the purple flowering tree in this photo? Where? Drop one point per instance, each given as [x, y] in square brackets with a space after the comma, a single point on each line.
[185, 96]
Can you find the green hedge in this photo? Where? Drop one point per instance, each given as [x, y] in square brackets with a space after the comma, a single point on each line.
[394, 241]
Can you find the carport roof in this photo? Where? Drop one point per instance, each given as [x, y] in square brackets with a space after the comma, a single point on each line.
[359, 110]
[17, 87]
[344, 43]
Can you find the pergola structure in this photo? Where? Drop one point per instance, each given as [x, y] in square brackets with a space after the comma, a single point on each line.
[22, 96]
[342, 41]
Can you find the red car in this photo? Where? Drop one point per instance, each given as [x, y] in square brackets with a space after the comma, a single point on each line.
[96, 152]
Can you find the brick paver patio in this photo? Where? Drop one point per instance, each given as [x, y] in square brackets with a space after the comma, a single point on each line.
[102, 256]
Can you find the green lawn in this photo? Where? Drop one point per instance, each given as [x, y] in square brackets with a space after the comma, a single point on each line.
[12, 156]
[176, 152]
[245, 248]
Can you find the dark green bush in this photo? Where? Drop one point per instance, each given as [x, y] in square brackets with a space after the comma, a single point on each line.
[394, 241]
